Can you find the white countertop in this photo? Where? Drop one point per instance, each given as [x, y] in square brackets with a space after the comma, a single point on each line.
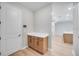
[69, 32]
[38, 34]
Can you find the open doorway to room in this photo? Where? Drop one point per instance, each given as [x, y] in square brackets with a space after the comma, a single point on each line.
[62, 28]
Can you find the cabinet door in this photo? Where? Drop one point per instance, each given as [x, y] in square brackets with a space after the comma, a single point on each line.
[35, 43]
[31, 41]
[40, 44]
[68, 38]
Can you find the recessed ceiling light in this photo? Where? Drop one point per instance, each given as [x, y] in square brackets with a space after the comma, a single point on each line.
[69, 8]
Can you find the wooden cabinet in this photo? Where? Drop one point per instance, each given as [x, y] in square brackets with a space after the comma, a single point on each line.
[39, 44]
[30, 41]
[68, 38]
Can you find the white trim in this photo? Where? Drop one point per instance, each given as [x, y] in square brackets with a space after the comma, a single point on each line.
[18, 50]
[50, 49]
[73, 52]
[24, 47]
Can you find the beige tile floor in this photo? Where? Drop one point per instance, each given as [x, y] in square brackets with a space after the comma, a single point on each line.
[59, 48]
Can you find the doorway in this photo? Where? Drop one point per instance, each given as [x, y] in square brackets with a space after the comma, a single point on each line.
[62, 28]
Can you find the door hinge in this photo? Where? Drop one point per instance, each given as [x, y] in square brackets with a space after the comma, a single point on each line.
[0, 38]
[0, 53]
[0, 22]
[0, 7]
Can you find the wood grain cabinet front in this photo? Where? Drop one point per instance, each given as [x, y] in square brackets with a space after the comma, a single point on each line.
[38, 44]
[68, 38]
[30, 41]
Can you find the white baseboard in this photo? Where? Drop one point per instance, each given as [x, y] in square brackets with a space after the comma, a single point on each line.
[17, 50]
[24, 47]
[73, 52]
[49, 49]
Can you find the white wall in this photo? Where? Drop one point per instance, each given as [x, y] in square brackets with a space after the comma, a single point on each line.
[62, 27]
[42, 21]
[27, 19]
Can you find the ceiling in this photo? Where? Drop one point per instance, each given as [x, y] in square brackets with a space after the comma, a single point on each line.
[62, 12]
[34, 5]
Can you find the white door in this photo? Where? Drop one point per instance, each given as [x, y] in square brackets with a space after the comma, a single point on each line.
[0, 30]
[2, 27]
[13, 29]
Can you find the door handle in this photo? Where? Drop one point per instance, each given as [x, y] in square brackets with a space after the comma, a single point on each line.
[19, 35]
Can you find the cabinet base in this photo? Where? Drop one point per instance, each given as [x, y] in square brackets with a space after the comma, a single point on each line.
[37, 50]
